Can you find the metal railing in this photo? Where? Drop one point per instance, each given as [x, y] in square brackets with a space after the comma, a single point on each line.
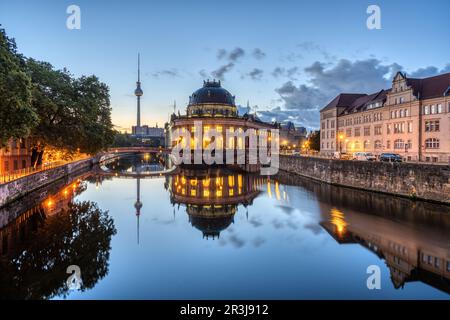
[17, 174]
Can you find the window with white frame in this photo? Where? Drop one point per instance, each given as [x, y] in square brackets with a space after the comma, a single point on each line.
[432, 143]
[399, 144]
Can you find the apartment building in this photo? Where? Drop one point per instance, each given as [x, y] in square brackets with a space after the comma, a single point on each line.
[15, 155]
[412, 118]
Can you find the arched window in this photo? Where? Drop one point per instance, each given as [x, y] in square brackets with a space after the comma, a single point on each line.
[378, 144]
[399, 144]
[432, 143]
[348, 145]
[366, 144]
[357, 145]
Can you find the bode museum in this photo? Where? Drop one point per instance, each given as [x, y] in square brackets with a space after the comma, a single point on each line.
[215, 108]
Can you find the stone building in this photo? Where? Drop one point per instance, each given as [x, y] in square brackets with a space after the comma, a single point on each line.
[15, 155]
[412, 118]
[292, 136]
[215, 108]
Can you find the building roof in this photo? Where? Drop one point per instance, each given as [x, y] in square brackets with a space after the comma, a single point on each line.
[343, 100]
[431, 87]
[361, 103]
[211, 92]
[426, 88]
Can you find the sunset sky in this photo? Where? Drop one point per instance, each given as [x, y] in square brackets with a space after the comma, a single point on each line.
[288, 58]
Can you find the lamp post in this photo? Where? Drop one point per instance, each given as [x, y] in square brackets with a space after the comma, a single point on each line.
[341, 136]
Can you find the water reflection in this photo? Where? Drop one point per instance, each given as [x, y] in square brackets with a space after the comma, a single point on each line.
[283, 231]
[41, 242]
[412, 238]
[212, 197]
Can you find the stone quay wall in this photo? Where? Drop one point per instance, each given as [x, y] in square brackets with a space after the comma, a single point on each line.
[414, 180]
[18, 188]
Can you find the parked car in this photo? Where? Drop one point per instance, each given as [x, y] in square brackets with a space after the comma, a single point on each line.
[364, 156]
[390, 157]
[342, 156]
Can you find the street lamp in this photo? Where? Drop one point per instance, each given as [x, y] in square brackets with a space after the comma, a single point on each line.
[341, 137]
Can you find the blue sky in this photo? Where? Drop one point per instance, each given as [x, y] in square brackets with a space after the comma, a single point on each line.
[288, 58]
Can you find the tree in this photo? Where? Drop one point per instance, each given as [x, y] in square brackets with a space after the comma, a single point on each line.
[17, 117]
[36, 268]
[314, 140]
[75, 114]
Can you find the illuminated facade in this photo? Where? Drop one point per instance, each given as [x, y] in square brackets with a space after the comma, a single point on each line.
[216, 109]
[412, 118]
[16, 155]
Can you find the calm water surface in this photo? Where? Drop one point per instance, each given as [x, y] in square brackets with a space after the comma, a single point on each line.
[219, 234]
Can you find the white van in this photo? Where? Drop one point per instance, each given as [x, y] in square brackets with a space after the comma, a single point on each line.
[364, 156]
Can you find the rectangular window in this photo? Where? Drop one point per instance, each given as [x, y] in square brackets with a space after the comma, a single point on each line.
[378, 130]
[436, 262]
[24, 164]
[388, 128]
[16, 165]
[410, 127]
[357, 132]
[348, 132]
[367, 131]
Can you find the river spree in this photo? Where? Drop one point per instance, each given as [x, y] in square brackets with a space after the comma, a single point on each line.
[218, 234]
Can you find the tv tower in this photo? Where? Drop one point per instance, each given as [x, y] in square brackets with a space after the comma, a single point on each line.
[138, 92]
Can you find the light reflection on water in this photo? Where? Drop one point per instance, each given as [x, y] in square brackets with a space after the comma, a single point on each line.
[219, 234]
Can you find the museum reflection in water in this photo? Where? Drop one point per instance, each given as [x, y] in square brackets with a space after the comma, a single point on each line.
[212, 198]
[49, 230]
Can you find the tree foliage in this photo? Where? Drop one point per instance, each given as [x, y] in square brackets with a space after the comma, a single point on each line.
[61, 111]
[75, 113]
[314, 140]
[17, 117]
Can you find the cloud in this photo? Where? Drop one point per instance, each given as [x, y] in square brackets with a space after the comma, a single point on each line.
[311, 47]
[289, 73]
[236, 241]
[301, 102]
[258, 241]
[221, 53]
[314, 228]
[203, 73]
[278, 72]
[236, 54]
[365, 76]
[258, 54]
[168, 72]
[256, 74]
[221, 71]
[429, 71]
[232, 56]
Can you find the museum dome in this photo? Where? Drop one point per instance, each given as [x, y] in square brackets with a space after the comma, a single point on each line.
[212, 100]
